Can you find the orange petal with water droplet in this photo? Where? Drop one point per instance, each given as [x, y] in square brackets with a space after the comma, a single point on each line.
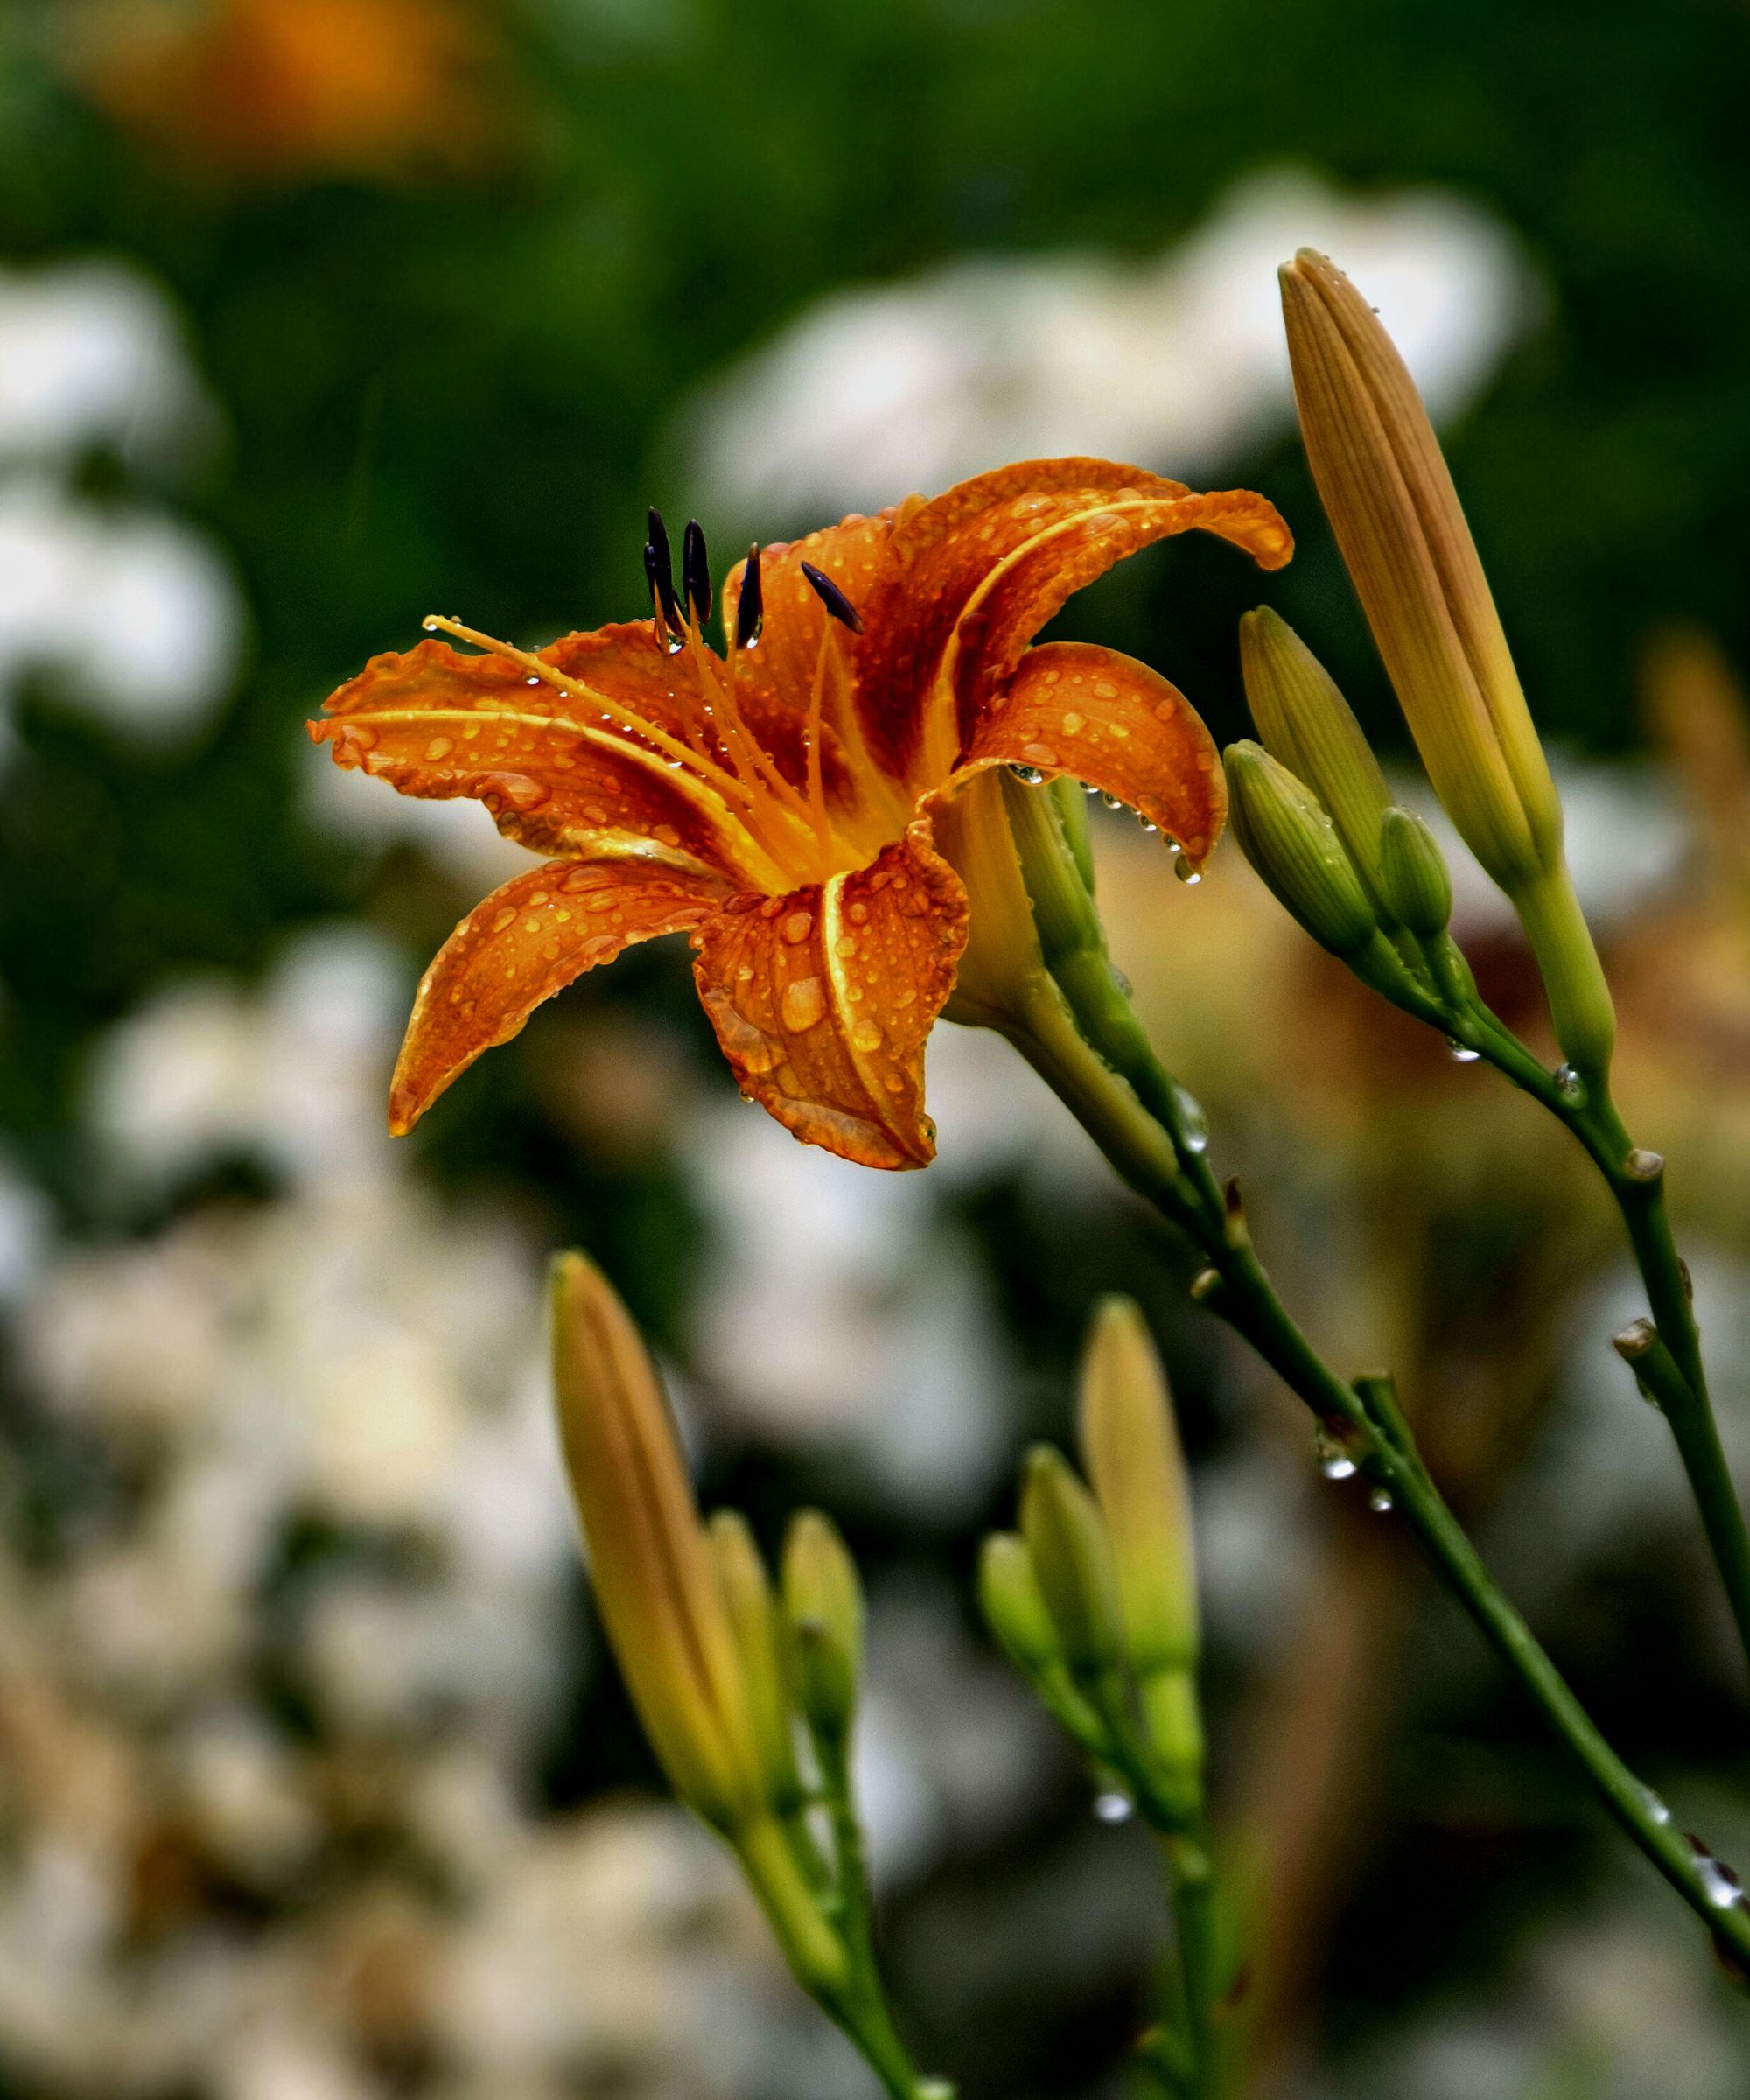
[532, 937]
[438, 724]
[822, 999]
[1112, 722]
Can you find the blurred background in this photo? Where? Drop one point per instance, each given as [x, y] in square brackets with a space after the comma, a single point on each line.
[320, 315]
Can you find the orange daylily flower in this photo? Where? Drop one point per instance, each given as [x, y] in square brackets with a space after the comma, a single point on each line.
[776, 802]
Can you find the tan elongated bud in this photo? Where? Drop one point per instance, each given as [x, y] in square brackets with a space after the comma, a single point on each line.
[755, 1622]
[1071, 1557]
[1387, 490]
[655, 1585]
[1385, 486]
[824, 1604]
[1412, 872]
[1304, 721]
[1284, 832]
[1129, 1443]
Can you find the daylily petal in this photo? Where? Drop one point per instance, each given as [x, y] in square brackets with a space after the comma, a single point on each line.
[1112, 722]
[972, 577]
[436, 723]
[822, 999]
[529, 939]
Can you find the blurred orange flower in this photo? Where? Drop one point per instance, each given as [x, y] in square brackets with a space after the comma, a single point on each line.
[776, 802]
[270, 88]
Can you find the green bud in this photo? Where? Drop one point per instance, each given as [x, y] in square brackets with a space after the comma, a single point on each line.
[757, 1630]
[1072, 1556]
[1014, 1606]
[1304, 722]
[1412, 875]
[1286, 834]
[823, 1605]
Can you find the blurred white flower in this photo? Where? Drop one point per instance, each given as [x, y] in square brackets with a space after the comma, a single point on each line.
[832, 1317]
[297, 1076]
[135, 611]
[138, 611]
[25, 1231]
[90, 353]
[1176, 364]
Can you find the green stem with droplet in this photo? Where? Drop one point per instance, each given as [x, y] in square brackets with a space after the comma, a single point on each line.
[1080, 1033]
[1636, 1181]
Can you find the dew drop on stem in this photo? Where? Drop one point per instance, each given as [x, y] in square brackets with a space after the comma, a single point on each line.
[1461, 1053]
[1333, 1461]
[1113, 1807]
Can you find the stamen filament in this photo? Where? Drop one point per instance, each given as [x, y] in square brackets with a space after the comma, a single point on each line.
[750, 745]
[635, 725]
[816, 776]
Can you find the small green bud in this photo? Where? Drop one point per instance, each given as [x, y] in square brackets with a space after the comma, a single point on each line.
[1072, 1556]
[1286, 834]
[1304, 722]
[824, 1604]
[1412, 875]
[1015, 1607]
[755, 1623]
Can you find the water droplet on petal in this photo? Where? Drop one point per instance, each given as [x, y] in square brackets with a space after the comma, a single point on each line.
[802, 1004]
[1187, 873]
[1380, 1501]
[1029, 776]
[797, 927]
[866, 1036]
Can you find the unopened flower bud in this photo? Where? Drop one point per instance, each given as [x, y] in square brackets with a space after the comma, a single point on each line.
[1129, 1444]
[1386, 488]
[1305, 723]
[1412, 875]
[1072, 1556]
[1390, 497]
[755, 1623]
[1289, 840]
[654, 1583]
[824, 1604]
[1014, 1606]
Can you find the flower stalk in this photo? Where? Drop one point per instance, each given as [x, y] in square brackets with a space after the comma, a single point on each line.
[1096, 1603]
[721, 1680]
[1287, 830]
[1083, 1038]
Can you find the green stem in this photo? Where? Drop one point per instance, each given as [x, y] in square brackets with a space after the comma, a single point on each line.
[863, 2014]
[1059, 1048]
[1191, 1887]
[1636, 1182]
